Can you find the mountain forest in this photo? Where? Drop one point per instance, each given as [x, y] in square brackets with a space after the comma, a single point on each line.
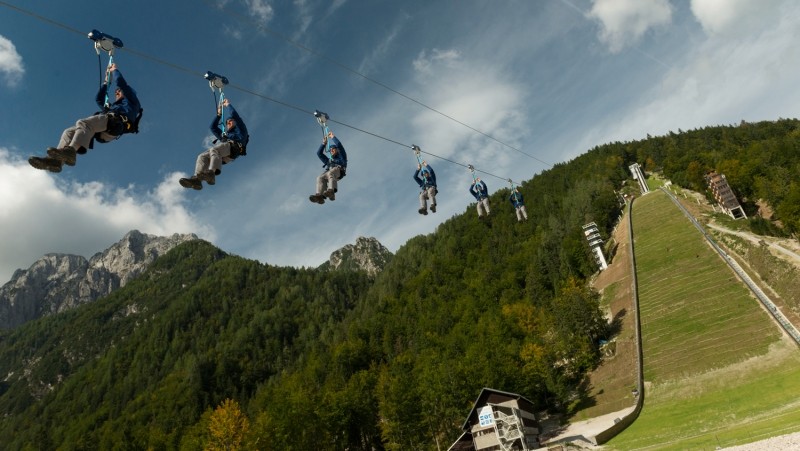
[208, 350]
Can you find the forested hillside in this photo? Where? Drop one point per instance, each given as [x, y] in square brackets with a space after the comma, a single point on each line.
[760, 160]
[311, 359]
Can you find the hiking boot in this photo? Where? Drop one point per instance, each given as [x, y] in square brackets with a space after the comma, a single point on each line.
[330, 194]
[66, 154]
[208, 177]
[192, 182]
[317, 198]
[46, 163]
[423, 211]
[433, 208]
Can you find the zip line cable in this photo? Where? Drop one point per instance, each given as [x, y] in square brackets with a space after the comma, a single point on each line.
[365, 77]
[366, 132]
[241, 88]
[42, 18]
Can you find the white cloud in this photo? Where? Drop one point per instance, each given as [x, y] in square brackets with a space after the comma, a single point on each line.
[335, 5]
[260, 10]
[424, 63]
[208, 142]
[234, 32]
[294, 203]
[304, 17]
[720, 82]
[41, 213]
[624, 22]
[484, 100]
[380, 50]
[734, 17]
[10, 62]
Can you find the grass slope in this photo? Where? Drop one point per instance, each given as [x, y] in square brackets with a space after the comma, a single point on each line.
[717, 369]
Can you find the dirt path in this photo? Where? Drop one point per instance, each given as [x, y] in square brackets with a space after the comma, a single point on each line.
[786, 249]
[611, 383]
[788, 441]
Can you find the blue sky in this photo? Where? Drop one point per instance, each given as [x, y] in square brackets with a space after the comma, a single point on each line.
[549, 78]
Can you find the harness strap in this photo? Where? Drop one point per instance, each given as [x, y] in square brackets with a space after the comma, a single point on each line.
[236, 150]
[513, 190]
[417, 151]
[474, 179]
[106, 103]
[106, 43]
[322, 120]
[222, 113]
[217, 83]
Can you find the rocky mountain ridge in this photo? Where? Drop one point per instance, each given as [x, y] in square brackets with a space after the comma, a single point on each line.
[367, 254]
[57, 282]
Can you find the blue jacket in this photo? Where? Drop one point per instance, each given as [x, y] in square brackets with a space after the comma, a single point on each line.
[340, 159]
[479, 191]
[237, 134]
[127, 106]
[428, 178]
[516, 199]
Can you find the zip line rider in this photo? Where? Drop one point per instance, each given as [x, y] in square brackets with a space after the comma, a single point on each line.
[334, 159]
[427, 182]
[106, 125]
[481, 194]
[517, 201]
[229, 144]
[335, 168]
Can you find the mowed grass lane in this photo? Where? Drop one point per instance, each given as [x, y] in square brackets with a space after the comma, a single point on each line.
[717, 369]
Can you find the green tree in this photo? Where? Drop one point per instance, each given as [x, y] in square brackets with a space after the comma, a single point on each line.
[227, 427]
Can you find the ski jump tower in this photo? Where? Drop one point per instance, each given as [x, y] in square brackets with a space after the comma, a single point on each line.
[724, 196]
[596, 244]
[638, 175]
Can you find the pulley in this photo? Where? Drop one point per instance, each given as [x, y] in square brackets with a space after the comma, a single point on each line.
[105, 42]
[215, 81]
[322, 118]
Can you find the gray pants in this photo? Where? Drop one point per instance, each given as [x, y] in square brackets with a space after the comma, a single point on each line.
[211, 160]
[521, 213]
[483, 204]
[328, 179]
[427, 193]
[81, 134]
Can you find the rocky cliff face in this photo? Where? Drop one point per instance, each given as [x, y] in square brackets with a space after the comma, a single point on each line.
[58, 282]
[367, 254]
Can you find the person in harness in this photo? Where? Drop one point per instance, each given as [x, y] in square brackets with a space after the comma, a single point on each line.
[426, 179]
[228, 145]
[114, 120]
[481, 194]
[335, 168]
[518, 203]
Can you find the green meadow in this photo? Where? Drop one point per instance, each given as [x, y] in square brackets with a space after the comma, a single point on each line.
[718, 371]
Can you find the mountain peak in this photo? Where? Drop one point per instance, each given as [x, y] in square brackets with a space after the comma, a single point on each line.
[367, 254]
[58, 282]
[131, 255]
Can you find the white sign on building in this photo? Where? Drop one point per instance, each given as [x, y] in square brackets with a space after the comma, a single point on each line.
[486, 416]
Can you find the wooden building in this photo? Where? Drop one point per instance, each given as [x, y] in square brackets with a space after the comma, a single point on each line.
[724, 196]
[499, 421]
